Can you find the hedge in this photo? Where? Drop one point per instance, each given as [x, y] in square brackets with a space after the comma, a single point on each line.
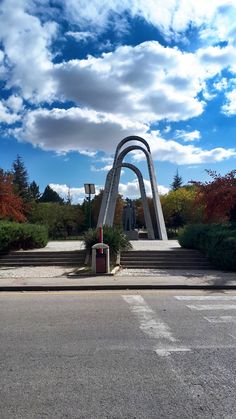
[113, 236]
[216, 241]
[15, 236]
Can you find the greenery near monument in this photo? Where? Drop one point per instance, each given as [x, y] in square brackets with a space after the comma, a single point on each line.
[113, 236]
[203, 214]
[216, 241]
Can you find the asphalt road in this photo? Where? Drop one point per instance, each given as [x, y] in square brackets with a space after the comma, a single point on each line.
[118, 355]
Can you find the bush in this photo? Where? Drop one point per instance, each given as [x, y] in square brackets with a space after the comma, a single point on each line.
[62, 221]
[113, 236]
[216, 241]
[14, 236]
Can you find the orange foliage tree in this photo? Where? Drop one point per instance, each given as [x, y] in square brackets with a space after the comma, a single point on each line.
[11, 205]
[217, 197]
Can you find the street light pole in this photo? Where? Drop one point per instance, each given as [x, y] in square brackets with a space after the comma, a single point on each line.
[89, 190]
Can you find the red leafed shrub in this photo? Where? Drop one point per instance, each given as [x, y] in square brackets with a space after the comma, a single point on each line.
[217, 197]
[11, 205]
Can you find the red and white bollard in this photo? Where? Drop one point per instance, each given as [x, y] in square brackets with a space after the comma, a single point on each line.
[100, 237]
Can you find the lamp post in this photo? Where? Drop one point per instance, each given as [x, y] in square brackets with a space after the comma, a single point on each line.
[89, 189]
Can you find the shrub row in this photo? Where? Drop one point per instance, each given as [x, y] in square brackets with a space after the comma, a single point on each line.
[216, 241]
[15, 236]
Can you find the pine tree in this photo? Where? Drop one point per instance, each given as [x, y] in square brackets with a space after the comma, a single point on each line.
[177, 181]
[20, 179]
[49, 195]
[69, 197]
[34, 191]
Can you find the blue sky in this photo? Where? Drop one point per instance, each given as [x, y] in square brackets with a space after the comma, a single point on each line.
[76, 77]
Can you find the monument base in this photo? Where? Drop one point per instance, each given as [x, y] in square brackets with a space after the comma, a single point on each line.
[132, 234]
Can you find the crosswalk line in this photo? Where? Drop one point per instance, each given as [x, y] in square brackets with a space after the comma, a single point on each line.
[202, 307]
[152, 326]
[221, 319]
[206, 297]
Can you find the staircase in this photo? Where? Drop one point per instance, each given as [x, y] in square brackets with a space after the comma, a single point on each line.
[39, 258]
[164, 259]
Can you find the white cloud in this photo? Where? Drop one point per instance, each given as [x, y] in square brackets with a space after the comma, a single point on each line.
[170, 150]
[131, 189]
[88, 153]
[101, 169]
[105, 159]
[26, 43]
[6, 116]
[229, 108]
[81, 36]
[221, 84]
[15, 103]
[76, 129]
[77, 194]
[147, 82]
[170, 17]
[187, 136]
[215, 58]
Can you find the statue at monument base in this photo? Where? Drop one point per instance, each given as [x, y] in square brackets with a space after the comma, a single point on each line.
[129, 220]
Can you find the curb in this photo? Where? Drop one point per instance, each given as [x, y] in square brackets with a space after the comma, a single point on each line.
[113, 287]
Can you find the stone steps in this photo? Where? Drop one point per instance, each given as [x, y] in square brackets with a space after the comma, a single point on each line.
[28, 258]
[173, 259]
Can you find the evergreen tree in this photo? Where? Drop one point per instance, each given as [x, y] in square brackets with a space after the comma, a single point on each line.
[34, 191]
[50, 195]
[177, 182]
[20, 178]
[69, 197]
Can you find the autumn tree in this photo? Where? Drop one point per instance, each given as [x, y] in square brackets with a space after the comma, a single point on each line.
[179, 207]
[11, 205]
[217, 197]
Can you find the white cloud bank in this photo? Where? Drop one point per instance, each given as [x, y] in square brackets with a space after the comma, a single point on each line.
[119, 93]
[171, 17]
[77, 129]
[130, 190]
[27, 44]
[147, 82]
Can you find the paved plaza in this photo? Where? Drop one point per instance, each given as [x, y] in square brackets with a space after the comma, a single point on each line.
[67, 245]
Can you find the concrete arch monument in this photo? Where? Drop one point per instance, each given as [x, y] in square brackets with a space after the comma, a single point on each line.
[107, 210]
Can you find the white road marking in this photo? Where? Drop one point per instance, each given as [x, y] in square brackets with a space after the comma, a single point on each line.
[205, 297]
[212, 307]
[167, 351]
[232, 336]
[148, 324]
[221, 319]
[152, 326]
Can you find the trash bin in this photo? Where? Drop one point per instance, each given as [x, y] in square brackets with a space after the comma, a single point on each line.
[100, 261]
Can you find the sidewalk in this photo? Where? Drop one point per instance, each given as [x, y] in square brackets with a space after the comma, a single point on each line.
[59, 278]
[173, 279]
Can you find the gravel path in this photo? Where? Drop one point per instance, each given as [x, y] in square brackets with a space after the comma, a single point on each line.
[35, 272]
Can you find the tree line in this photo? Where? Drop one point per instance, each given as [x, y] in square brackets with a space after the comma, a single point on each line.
[213, 201]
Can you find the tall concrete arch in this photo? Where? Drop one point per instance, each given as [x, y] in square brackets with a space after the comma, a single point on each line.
[107, 210]
[146, 211]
